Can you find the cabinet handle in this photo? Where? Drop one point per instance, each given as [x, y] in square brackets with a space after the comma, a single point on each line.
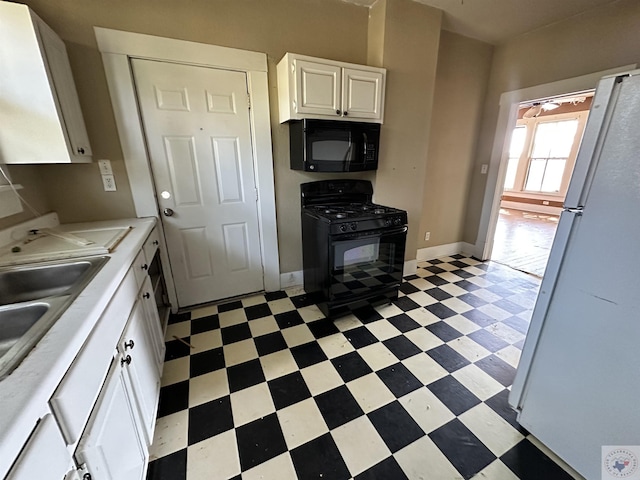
[145, 267]
[129, 344]
[146, 295]
[338, 112]
[126, 360]
[81, 150]
[156, 242]
[345, 113]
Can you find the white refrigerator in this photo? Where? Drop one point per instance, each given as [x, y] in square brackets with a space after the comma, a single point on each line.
[577, 387]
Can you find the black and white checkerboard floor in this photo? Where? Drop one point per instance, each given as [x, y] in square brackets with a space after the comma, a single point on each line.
[413, 390]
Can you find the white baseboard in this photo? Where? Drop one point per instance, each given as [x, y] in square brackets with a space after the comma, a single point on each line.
[410, 267]
[291, 279]
[445, 250]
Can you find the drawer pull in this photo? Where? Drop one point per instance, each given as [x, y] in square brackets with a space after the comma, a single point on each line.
[126, 360]
[145, 267]
[146, 295]
[129, 344]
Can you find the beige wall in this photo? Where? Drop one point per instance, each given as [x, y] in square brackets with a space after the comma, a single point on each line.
[461, 82]
[406, 41]
[33, 192]
[323, 28]
[597, 40]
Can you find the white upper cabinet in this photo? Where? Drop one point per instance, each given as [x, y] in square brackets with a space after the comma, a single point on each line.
[40, 115]
[316, 88]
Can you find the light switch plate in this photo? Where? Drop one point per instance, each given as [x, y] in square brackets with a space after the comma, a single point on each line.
[109, 183]
[105, 167]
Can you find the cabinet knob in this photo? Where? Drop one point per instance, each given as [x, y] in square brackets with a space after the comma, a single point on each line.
[146, 295]
[86, 476]
[167, 212]
[338, 112]
[81, 150]
[126, 360]
[156, 242]
[129, 344]
[145, 267]
[345, 113]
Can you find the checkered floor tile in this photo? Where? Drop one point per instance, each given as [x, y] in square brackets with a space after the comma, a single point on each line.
[413, 390]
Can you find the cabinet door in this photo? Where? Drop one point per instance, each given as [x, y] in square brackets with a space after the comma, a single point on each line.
[153, 324]
[44, 456]
[141, 368]
[113, 446]
[317, 88]
[362, 93]
[59, 69]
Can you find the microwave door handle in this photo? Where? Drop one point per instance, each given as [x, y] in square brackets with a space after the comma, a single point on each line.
[364, 136]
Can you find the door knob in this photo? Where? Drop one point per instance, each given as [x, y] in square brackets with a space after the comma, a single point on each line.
[168, 212]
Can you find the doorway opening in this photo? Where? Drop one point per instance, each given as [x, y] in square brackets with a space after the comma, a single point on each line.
[541, 157]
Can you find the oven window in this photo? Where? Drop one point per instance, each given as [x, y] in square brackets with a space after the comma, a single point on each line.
[359, 266]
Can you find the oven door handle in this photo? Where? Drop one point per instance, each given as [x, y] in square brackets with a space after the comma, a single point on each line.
[370, 233]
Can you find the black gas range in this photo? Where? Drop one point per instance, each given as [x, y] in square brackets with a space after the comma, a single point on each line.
[353, 249]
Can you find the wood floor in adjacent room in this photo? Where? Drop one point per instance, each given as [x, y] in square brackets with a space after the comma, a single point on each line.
[523, 240]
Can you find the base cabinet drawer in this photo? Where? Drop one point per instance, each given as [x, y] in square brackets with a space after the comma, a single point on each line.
[44, 456]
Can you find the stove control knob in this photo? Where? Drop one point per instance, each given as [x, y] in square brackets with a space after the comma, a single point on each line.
[353, 226]
[343, 227]
[387, 222]
[397, 221]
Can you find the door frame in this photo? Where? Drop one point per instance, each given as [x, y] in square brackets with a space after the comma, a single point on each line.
[117, 48]
[507, 116]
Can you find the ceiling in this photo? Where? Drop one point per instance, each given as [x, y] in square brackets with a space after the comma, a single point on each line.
[494, 21]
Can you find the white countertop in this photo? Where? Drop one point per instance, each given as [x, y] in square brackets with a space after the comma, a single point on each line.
[25, 392]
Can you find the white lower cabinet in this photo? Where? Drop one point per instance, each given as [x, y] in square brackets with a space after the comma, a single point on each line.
[139, 362]
[113, 446]
[44, 456]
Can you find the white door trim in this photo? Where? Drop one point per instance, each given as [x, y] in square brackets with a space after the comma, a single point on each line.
[507, 116]
[117, 47]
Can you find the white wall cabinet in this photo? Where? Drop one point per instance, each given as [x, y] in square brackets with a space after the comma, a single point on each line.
[40, 115]
[317, 88]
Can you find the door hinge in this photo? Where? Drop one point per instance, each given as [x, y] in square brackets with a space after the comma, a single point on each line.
[256, 194]
[249, 101]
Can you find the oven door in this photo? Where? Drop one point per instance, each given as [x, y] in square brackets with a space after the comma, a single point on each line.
[365, 263]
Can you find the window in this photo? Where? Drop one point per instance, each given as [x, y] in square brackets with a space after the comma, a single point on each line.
[518, 138]
[552, 143]
[542, 154]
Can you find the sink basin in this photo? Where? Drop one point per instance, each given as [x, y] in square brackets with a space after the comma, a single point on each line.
[32, 298]
[32, 282]
[15, 321]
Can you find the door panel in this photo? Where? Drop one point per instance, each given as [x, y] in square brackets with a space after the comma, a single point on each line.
[362, 93]
[197, 125]
[318, 87]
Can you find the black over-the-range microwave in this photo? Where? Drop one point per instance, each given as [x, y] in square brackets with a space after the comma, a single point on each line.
[333, 146]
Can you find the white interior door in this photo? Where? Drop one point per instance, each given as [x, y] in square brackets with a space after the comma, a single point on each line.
[197, 126]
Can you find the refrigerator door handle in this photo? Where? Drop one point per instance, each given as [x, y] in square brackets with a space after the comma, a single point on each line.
[576, 211]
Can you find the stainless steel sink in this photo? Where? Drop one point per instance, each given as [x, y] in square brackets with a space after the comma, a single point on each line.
[32, 298]
[31, 282]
